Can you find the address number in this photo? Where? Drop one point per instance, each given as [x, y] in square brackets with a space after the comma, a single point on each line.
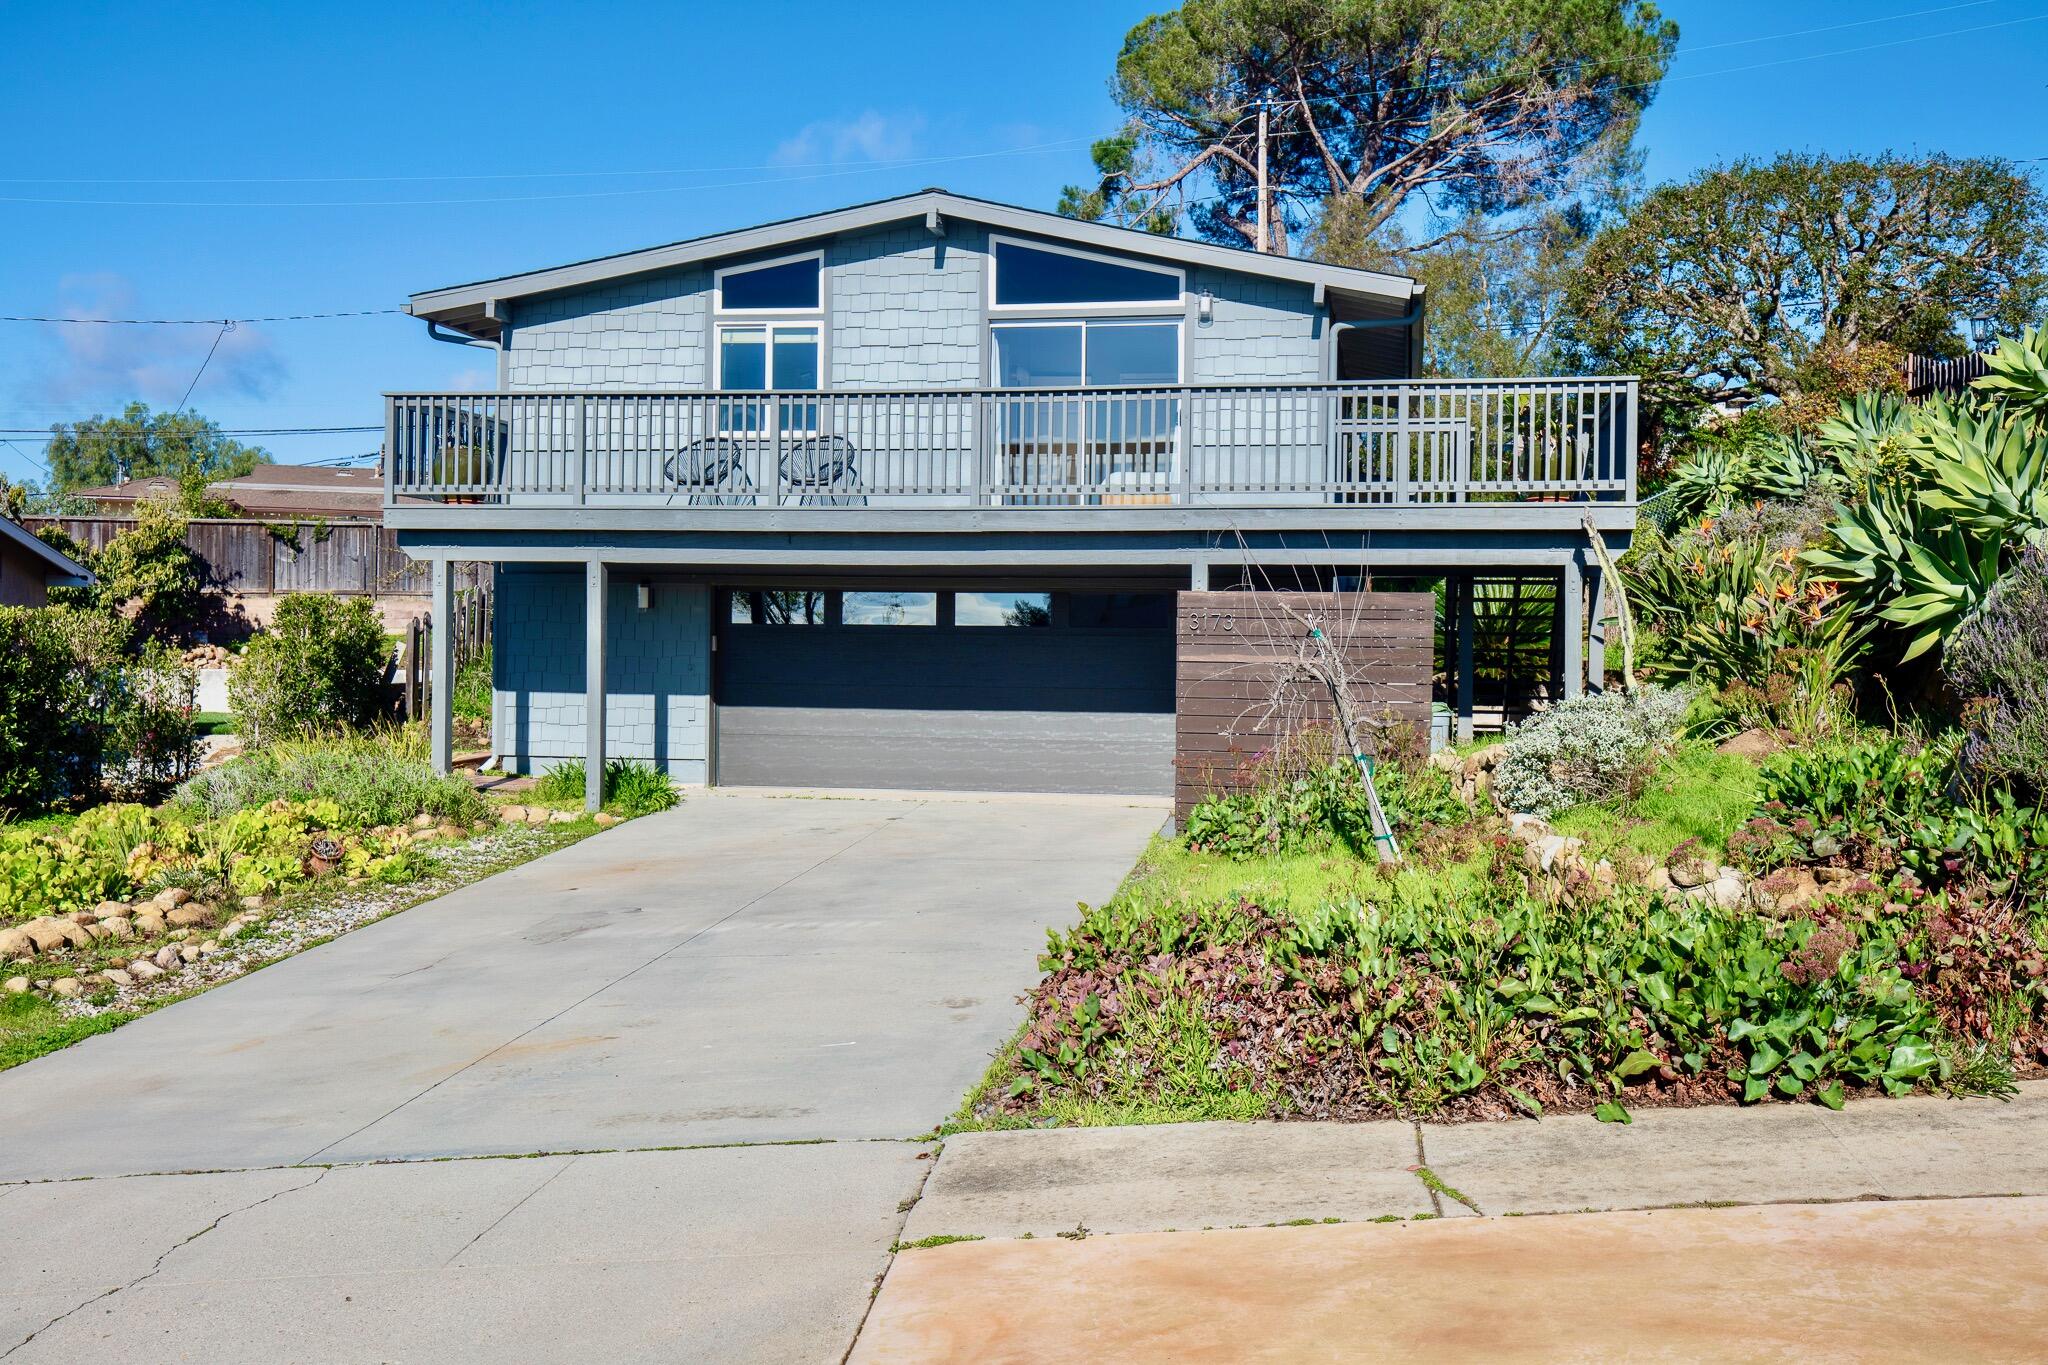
[1211, 623]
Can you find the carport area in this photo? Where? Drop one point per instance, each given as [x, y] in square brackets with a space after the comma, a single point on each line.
[713, 1035]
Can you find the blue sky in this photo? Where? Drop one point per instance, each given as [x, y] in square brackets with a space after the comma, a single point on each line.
[262, 159]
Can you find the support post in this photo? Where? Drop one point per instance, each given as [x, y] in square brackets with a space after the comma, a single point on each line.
[1467, 619]
[1574, 624]
[1198, 576]
[441, 669]
[1596, 633]
[596, 584]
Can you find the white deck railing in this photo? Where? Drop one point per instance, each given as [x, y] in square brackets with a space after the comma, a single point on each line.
[1405, 442]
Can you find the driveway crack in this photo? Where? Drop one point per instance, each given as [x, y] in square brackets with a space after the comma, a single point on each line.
[516, 1206]
[157, 1266]
[676, 947]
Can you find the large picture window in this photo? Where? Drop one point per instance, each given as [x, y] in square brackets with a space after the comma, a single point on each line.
[1035, 276]
[1095, 354]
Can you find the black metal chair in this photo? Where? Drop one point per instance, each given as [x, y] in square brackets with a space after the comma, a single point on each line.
[718, 474]
[822, 472]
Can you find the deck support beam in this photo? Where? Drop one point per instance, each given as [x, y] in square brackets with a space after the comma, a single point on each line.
[440, 666]
[1466, 620]
[1574, 625]
[596, 585]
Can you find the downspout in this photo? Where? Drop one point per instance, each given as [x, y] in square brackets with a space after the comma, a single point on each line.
[453, 338]
[1337, 329]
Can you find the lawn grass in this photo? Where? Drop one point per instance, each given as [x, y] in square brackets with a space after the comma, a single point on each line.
[31, 1026]
[212, 723]
[1695, 792]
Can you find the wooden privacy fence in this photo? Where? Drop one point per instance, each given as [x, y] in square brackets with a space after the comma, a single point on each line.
[470, 619]
[258, 558]
[1238, 692]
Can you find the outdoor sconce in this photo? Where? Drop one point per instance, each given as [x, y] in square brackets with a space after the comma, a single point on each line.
[1206, 308]
[644, 594]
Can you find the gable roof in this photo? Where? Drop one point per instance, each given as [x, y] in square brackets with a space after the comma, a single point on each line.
[472, 308]
[269, 490]
[61, 570]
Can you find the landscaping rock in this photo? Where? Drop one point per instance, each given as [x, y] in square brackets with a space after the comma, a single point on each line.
[117, 976]
[109, 910]
[48, 935]
[1445, 761]
[1835, 876]
[118, 926]
[167, 957]
[97, 931]
[564, 817]
[16, 943]
[149, 923]
[1726, 892]
[605, 819]
[171, 898]
[190, 952]
[253, 902]
[1790, 889]
[1689, 872]
[450, 830]
[179, 935]
[14, 985]
[209, 948]
[1659, 879]
[512, 815]
[69, 987]
[185, 916]
[1751, 744]
[423, 821]
[1528, 828]
[144, 971]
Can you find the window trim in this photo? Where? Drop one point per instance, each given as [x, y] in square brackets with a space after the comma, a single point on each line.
[1150, 307]
[1180, 349]
[718, 287]
[770, 326]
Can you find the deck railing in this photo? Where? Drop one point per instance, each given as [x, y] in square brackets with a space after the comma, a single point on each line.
[1396, 442]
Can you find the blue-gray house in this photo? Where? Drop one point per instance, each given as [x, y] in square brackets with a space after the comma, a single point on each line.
[898, 495]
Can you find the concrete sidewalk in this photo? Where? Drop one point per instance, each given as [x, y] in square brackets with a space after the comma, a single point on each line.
[1941, 1280]
[1220, 1175]
[1900, 1229]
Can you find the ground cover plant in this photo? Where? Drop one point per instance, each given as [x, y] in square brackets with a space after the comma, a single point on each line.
[631, 788]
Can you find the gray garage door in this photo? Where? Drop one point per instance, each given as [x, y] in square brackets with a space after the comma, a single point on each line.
[962, 691]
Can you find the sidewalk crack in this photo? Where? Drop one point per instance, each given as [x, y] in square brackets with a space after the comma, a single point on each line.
[517, 1205]
[1436, 1203]
[157, 1266]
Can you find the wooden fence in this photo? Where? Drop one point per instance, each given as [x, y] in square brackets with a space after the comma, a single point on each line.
[1927, 374]
[259, 559]
[471, 622]
[1237, 698]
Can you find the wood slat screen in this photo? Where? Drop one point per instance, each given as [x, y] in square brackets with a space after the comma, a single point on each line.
[1229, 647]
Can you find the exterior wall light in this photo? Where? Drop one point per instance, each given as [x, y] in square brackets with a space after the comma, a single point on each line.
[1206, 308]
[644, 594]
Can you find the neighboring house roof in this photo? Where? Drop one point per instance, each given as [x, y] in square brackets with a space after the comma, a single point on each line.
[472, 308]
[62, 570]
[271, 490]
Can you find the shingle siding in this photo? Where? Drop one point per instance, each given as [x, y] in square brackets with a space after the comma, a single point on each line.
[657, 673]
[906, 308]
[1260, 331]
[646, 333]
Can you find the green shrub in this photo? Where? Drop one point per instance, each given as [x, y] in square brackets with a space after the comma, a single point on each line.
[1321, 808]
[381, 779]
[1585, 749]
[80, 715]
[631, 788]
[1999, 661]
[471, 699]
[1431, 998]
[319, 668]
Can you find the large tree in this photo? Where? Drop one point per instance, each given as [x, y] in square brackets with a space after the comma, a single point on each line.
[1749, 282]
[1467, 107]
[141, 444]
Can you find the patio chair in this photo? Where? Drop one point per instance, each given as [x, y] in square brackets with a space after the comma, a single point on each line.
[714, 473]
[821, 472]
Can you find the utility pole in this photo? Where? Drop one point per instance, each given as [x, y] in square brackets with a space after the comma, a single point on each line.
[1265, 236]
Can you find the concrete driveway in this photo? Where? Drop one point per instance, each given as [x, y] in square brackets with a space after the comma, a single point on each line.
[824, 974]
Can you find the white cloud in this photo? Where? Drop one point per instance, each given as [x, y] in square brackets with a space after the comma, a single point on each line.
[105, 366]
[868, 136]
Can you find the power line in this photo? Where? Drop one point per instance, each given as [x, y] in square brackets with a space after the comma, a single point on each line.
[225, 328]
[1064, 144]
[237, 431]
[200, 322]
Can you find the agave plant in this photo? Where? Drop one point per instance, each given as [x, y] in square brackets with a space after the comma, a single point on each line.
[1708, 481]
[1866, 431]
[1899, 562]
[2019, 372]
[1988, 467]
[1789, 467]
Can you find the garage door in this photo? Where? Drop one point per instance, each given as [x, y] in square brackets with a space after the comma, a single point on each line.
[963, 691]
